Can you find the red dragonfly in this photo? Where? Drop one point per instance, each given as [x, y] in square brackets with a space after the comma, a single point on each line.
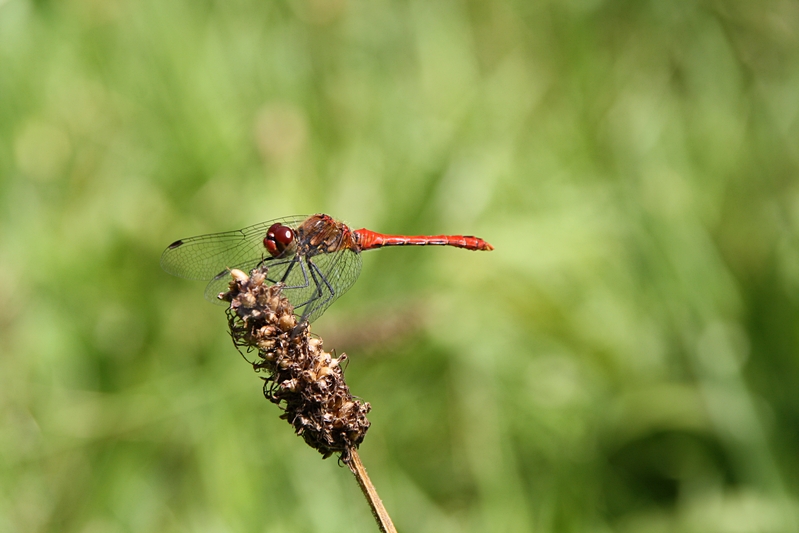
[317, 257]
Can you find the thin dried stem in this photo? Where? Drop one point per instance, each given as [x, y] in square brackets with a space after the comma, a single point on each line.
[375, 503]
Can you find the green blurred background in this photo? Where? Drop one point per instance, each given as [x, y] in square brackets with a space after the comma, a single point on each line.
[626, 360]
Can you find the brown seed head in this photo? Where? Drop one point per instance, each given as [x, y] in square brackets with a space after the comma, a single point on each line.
[304, 380]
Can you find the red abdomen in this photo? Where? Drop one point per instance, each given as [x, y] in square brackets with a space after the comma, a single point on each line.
[368, 240]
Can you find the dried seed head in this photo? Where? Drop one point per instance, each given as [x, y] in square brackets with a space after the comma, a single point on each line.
[304, 380]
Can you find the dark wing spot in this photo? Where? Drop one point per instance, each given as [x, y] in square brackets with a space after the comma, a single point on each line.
[175, 244]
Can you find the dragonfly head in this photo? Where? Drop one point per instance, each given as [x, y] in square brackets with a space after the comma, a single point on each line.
[278, 239]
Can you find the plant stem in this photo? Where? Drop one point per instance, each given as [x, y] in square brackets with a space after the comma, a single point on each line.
[378, 510]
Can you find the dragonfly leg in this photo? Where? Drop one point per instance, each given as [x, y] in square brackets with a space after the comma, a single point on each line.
[312, 305]
[331, 291]
[285, 275]
[306, 284]
[317, 275]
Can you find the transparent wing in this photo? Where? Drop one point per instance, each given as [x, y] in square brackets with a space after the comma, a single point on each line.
[205, 257]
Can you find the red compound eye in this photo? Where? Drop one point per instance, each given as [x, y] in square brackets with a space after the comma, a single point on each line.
[278, 238]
